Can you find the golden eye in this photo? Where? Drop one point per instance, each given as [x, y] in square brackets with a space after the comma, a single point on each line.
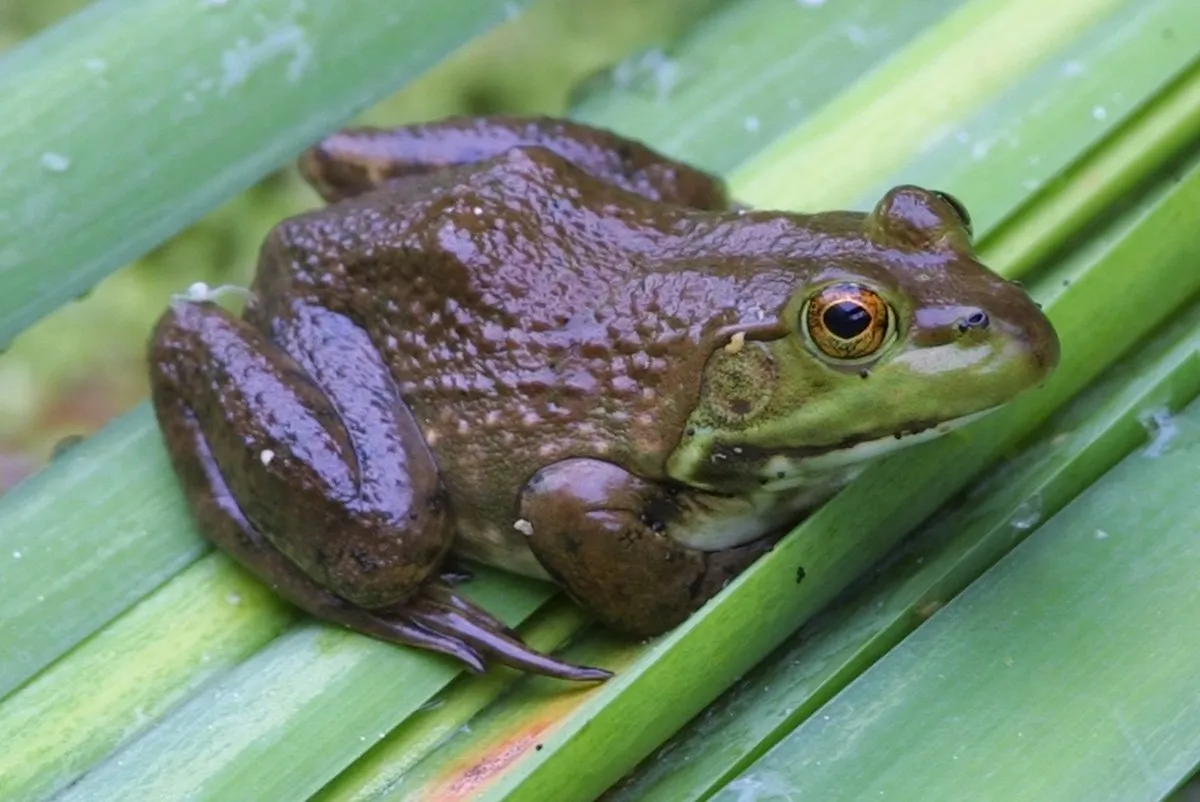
[847, 322]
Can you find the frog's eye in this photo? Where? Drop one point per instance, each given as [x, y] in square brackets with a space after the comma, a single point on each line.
[960, 210]
[847, 322]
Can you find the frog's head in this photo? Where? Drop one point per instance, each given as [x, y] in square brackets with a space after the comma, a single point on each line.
[893, 333]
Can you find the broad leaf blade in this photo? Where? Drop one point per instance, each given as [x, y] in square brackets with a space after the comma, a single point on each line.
[129, 120]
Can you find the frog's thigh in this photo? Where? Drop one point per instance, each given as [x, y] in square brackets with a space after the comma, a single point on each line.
[315, 445]
[586, 523]
[358, 160]
[217, 512]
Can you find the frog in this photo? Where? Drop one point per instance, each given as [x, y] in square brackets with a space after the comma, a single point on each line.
[545, 347]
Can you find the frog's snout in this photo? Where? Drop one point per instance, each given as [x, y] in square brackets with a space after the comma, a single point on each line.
[1032, 343]
[1042, 345]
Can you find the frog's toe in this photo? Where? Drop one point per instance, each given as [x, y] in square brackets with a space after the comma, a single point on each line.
[405, 630]
[441, 612]
[441, 593]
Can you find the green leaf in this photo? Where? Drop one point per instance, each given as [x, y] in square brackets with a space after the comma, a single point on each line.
[1066, 672]
[1081, 443]
[132, 118]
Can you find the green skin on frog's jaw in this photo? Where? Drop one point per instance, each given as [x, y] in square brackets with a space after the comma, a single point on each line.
[540, 346]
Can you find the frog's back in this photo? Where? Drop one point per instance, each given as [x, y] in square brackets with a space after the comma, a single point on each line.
[526, 315]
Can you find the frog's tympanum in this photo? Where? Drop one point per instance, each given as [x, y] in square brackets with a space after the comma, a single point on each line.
[546, 348]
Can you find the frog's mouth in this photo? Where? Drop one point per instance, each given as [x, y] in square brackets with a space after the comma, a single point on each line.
[790, 468]
[786, 483]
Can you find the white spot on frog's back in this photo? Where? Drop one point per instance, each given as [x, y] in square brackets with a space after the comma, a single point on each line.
[431, 437]
[266, 457]
[524, 527]
[200, 292]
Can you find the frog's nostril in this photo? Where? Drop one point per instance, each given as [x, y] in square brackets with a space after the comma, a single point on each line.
[976, 320]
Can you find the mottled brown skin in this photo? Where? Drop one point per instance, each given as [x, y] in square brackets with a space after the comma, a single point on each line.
[494, 341]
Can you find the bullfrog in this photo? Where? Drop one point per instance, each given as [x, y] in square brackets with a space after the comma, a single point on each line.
[541, 346]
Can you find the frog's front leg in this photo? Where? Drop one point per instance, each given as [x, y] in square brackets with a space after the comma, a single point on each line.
[301, 462]
[358, 160]
[603, 534]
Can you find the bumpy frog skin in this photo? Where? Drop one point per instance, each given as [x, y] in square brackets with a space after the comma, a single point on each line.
[546, 348]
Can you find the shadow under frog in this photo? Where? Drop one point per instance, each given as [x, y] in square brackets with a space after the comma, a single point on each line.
[541, 346]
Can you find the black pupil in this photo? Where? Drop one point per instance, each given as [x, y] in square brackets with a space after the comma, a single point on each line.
[846, 319]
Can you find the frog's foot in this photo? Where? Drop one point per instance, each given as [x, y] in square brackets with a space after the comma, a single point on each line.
[359, 160]
[454, 625]
[603, 534]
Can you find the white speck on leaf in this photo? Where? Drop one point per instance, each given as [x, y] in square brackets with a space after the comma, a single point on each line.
[1101, 534]
[1162, 429]
[233, 598]
[1028, 513]
[55, 162]
[16, 555]
[240, 62]
[653, 67]
[751, 124]
[1099, 112]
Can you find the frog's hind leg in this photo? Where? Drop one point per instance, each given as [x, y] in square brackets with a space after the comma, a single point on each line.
[358, 160]
[208, 372]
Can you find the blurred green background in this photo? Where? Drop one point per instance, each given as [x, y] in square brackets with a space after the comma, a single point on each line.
[77, 368]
